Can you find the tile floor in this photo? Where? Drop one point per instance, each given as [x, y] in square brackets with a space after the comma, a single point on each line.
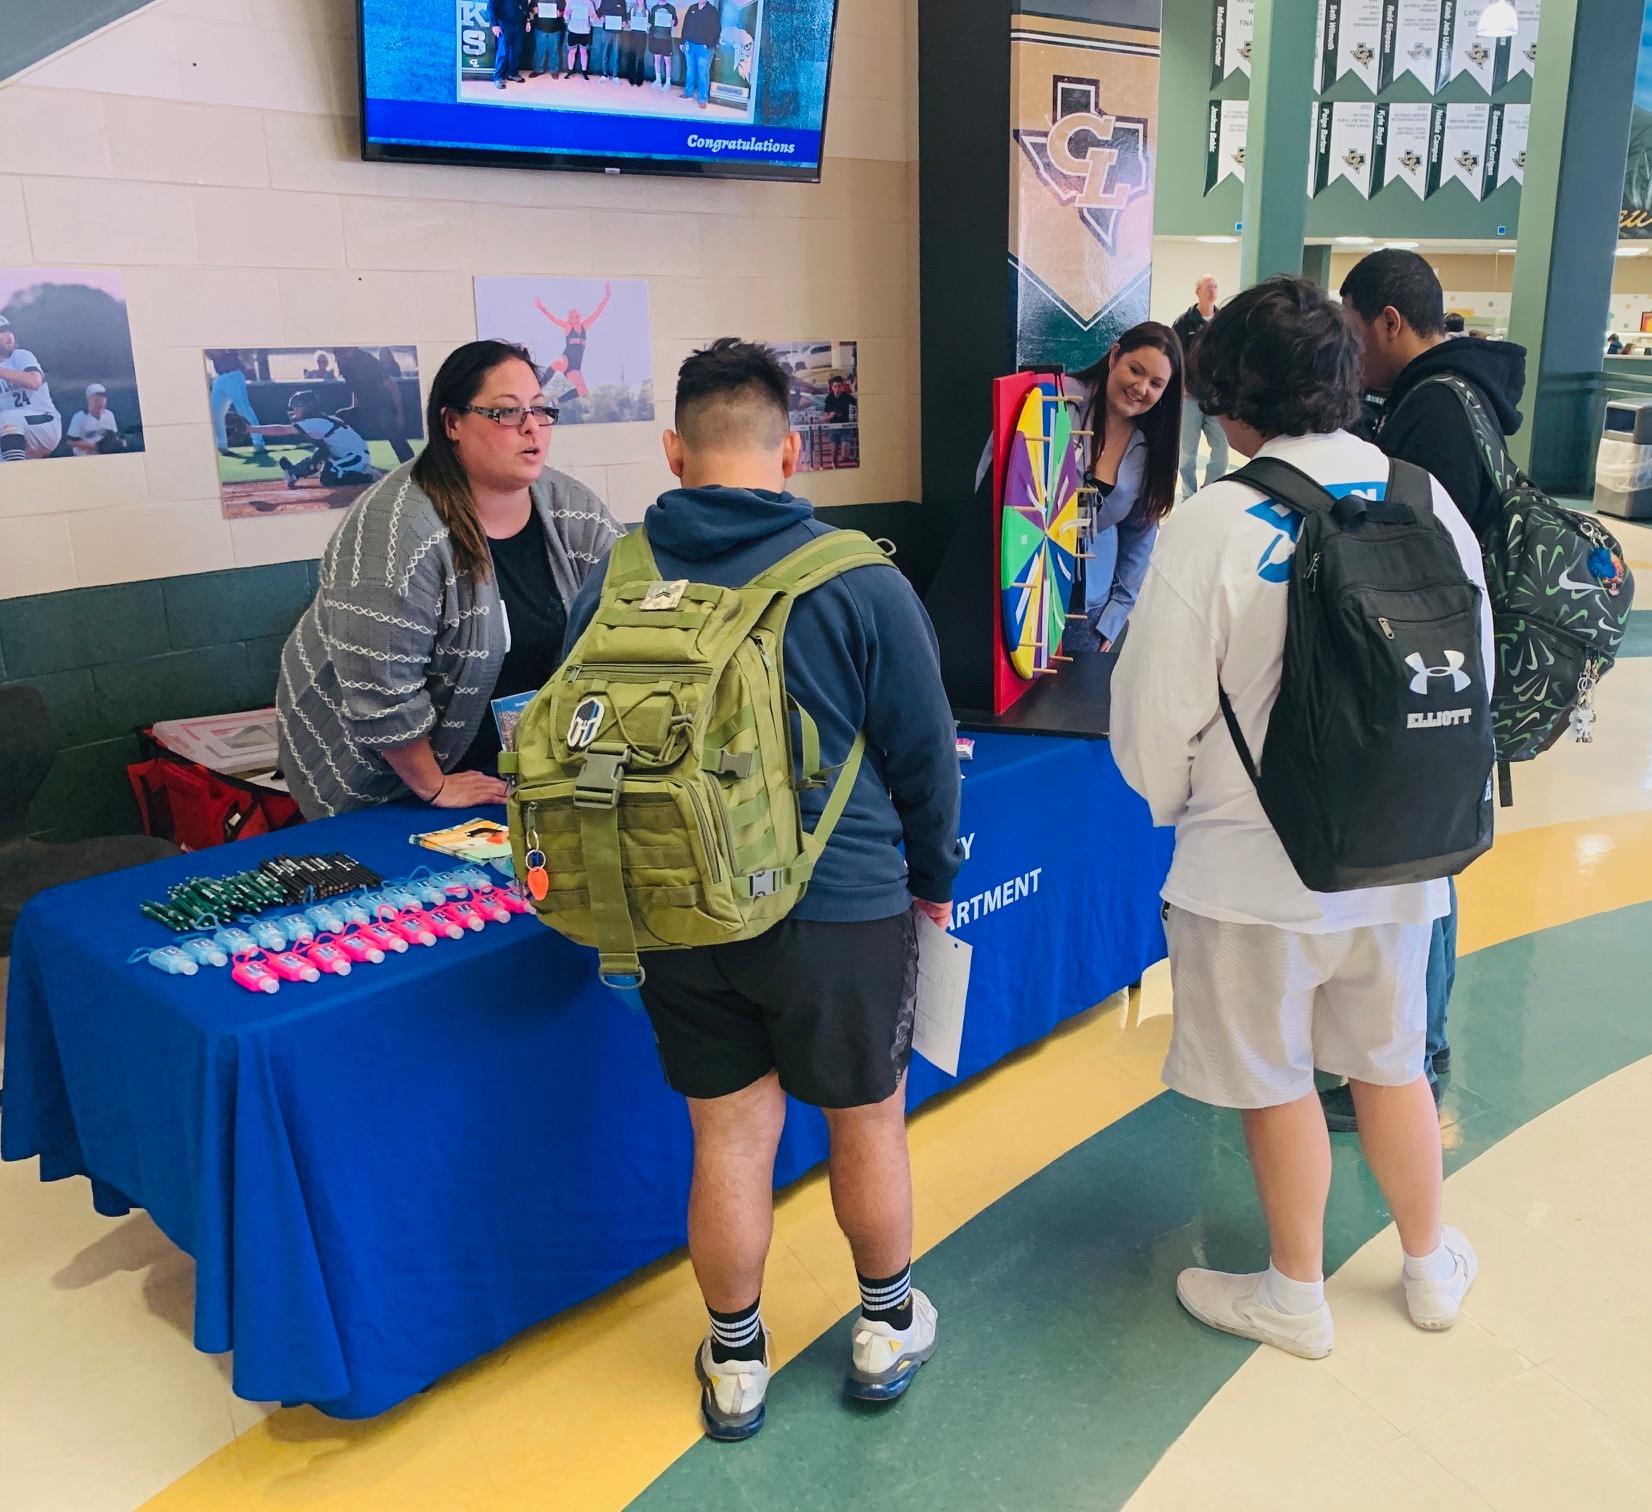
[1538, 1399]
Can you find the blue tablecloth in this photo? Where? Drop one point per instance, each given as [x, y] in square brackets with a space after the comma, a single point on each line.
[382, 1177]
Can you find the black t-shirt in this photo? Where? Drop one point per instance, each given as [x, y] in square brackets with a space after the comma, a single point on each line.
[840, 407]
[538, 619]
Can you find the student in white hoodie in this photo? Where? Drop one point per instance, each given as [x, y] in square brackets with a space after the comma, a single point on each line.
[1270, 979]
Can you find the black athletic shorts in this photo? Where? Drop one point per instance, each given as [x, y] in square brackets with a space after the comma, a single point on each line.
[827, 1005]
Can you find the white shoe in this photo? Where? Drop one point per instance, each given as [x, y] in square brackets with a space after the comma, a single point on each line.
[1435, 1305]
[883, 1359]
[732, 1393]
[1229, 1302]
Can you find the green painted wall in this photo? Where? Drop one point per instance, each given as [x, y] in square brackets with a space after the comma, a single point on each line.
[33, 32]
[1181, 208]
[112, 660]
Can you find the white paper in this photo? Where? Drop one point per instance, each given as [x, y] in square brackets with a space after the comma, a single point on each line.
[1471, 53]
[943, 985]
[1511, 160]
[1463, 153]
[1402, 145]
[1416, 42]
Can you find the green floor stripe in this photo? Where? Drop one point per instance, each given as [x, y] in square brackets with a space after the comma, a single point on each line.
[1066, 1369]
[1637, 634]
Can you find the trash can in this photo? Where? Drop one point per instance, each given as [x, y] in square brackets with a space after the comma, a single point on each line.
[1623, 467]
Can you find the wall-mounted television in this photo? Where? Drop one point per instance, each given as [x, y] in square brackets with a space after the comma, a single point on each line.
[729, 88]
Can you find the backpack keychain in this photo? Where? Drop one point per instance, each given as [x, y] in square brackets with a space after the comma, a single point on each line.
[1581, 721]
[538, 883]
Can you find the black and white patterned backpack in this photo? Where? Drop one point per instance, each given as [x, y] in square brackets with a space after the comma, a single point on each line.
[1560, 598]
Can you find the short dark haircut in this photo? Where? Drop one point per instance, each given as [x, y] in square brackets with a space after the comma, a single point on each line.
[1399, 278]
[1281, 358]
[733, 396]
[1454, 324]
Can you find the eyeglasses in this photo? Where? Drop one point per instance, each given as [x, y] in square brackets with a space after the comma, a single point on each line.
[513, 416]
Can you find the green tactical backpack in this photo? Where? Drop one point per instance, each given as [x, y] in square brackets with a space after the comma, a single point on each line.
[653, 804]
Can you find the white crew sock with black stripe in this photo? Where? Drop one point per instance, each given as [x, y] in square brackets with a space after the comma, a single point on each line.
[737, 1335]
[889, 1300]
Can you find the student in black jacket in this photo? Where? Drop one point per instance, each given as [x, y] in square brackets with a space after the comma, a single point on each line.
[1394, 300]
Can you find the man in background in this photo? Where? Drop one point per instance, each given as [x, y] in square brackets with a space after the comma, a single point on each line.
[1195, 422]
[30, 426]
[95, 429]
[702, 29]
[510, 30]
[1455, 325]
[1393, 299]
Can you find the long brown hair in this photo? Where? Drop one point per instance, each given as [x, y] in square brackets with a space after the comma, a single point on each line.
[438, 470]
[1161, 425]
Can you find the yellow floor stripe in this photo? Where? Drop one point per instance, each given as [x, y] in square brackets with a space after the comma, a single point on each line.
[584, 1411]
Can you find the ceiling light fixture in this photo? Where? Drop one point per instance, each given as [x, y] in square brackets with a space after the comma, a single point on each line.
[1218, 241]
[1499, 20]
[1404, 246]
[1355, 241]
[1629, 252]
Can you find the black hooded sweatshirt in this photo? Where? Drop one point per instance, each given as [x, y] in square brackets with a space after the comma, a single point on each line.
[1426, 424]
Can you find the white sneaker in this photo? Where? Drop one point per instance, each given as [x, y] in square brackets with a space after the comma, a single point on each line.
[883, 1359]
[732, 1393]
[1435, 1305]
[1229, 1302]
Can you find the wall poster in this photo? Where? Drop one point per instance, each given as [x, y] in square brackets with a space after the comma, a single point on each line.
[1416, 41]
[1228, 123]
[1084, 110]
[1635, 219]
[302, 428]
[825, 402]
[1399, 148]
[68, 386]
[589, 338]
[1343, 145]
[1519, 55]
[1231, 34]
[1350, 41]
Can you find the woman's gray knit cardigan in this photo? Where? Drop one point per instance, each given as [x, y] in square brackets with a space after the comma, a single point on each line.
[399, 643]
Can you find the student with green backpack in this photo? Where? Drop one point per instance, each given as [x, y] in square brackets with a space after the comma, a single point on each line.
[740, 788]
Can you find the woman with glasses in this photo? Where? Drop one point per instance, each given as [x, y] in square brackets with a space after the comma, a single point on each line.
[445, 587]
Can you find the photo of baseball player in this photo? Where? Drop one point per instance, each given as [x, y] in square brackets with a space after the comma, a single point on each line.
[68, 330]
[289, 441]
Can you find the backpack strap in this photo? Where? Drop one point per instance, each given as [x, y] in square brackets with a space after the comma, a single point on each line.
[1285, 484]
[631, 560]
[1489, 441]
[822, 559]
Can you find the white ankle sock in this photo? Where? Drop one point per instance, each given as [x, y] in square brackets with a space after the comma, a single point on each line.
[1294, 1298]
[1435, 1267]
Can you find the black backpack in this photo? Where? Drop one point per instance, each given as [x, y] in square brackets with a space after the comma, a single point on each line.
[1377, 764]
[1560, 599]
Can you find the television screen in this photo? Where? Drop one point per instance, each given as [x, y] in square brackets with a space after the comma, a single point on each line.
[735, 88]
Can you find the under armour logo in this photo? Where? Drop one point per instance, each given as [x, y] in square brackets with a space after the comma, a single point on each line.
[1453, 669]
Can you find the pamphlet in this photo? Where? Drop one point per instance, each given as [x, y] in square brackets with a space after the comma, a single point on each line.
[943, 985]
[479, 840]
[506, 712]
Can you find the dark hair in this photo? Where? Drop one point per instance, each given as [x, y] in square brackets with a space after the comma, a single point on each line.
[1281, 358]
[438, 470]
[1161, 425]
[1401, 279]
[733, 395]
[1454, 324]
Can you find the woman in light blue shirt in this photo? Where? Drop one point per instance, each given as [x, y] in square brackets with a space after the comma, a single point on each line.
[1132, 408]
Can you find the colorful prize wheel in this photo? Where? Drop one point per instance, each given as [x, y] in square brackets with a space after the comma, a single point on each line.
[1039, 540]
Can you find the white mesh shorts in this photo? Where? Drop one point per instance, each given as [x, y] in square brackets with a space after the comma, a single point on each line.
[1258, 1008]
